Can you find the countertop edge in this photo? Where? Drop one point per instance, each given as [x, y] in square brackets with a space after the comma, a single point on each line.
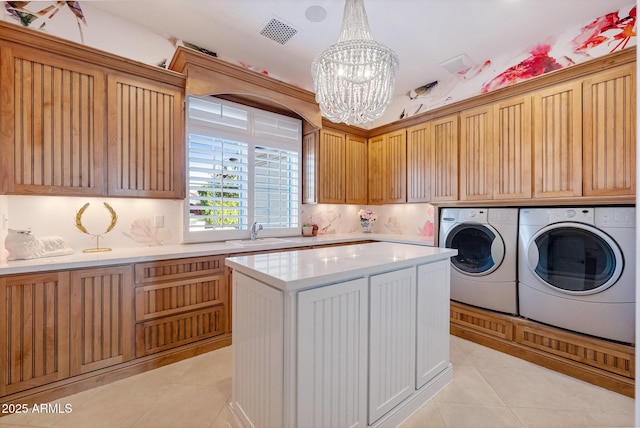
[122, 256]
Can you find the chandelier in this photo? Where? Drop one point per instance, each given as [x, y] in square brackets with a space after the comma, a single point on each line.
[354, 79]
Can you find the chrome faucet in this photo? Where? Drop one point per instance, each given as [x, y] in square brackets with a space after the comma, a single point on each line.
[255, 227]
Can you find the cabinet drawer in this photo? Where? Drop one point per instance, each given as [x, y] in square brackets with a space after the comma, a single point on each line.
[168, 270]
[168, 298]
[171, 332]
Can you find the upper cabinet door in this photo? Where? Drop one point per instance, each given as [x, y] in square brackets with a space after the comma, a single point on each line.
[557, 121]
[376, 176]
[444, 171]
[356, 170]
[331, 162]
[512, 150]
[395, 167]
[52, 125]
[310, 167]
[419, 163]
[609, 129]
[146, 138]
[476, 154]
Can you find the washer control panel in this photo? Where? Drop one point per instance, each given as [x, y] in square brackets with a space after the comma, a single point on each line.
[581, 215]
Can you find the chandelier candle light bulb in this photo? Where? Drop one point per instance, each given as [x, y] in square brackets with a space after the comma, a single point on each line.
[354, 79]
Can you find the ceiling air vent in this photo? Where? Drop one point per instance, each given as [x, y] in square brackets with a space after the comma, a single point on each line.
[278, 31]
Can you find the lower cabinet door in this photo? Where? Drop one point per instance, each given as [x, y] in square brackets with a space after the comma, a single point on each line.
[34, 327]
[391, 340]
[432, 353]
[101, 318]
[332, 356]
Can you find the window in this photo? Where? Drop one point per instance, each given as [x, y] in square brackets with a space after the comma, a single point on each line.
[243, 166]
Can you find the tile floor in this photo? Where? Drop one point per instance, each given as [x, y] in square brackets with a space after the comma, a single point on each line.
[489, 389]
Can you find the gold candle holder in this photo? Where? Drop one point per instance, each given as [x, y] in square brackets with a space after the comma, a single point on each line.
[81, 228]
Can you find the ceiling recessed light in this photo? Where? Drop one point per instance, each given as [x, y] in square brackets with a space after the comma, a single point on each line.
[315, 13]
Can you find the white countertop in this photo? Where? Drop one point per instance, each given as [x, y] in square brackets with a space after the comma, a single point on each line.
[295, 270]
[143, 254]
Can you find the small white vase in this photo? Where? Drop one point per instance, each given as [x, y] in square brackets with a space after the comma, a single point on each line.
[366, 226]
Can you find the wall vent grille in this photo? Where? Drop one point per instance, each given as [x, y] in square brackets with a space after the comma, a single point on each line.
[278, 31]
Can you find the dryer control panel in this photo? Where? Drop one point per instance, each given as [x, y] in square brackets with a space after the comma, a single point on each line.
[580, 215]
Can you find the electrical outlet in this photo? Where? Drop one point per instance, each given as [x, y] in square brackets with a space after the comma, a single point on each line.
[158, 221]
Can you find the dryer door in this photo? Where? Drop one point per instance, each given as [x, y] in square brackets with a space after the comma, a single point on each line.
[574, 258]
[480, 248]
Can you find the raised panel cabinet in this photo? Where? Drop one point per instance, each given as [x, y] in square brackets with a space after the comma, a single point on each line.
[146, 141]
[355, 170]
[419, 163]
[331, 166]
[557, 142]
[512, 150]
[310, 152]
[52, 124]
[476, 154]
[102, 314]
[609, 132]
[444, 155]
[388, 168]
[34, 326]
[180, 301]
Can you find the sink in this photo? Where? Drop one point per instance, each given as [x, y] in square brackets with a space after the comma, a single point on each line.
[259, 241]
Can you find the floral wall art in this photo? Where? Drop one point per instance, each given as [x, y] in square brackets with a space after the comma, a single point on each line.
[606, 34]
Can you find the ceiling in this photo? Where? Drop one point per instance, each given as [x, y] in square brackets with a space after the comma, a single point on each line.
[424, 33]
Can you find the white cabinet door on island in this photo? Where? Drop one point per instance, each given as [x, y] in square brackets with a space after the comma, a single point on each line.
[351, 336]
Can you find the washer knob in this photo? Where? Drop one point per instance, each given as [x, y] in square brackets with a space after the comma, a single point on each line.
[570, 213]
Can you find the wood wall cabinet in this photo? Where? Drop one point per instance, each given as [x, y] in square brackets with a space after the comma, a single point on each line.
[34, 326]
[609, 132]
[179, 302]
[310, 150]
[419, 163]
[53, 124]
[444, 171]
[81, 122]
[146, 140]
[101, 306]
[512, 150]
[557, 142]
[388, 168]
[342, 165]
[476, 154]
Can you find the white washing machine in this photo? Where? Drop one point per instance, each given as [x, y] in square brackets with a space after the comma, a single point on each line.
[483, 273]
[577, 269]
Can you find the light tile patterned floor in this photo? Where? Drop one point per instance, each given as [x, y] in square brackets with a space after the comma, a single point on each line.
[489, 389]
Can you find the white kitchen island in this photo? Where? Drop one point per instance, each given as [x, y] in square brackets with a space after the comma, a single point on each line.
[349, 336]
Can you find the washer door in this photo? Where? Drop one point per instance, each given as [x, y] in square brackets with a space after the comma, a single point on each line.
[480, 248]
[574, 258]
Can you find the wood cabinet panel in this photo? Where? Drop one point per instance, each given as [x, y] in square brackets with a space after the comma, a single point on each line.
[376, 177]
[395, 167]
[355, 170]
[388, 168]
[512, 153]
[331, 166]
[53, 128]
[170, 332]
[169, 270]
[476, 154]
[310, 168]
[444, 171]
[102, 313]
[168, 298]
[419, 163]
[609, 133]
[145, 138]
[557, 143]
[34, 325]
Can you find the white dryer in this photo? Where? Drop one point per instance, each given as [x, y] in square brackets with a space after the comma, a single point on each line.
[484, 271]
[577, 269]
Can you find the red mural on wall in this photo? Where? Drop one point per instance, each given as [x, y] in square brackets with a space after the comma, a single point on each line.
[591, 35]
